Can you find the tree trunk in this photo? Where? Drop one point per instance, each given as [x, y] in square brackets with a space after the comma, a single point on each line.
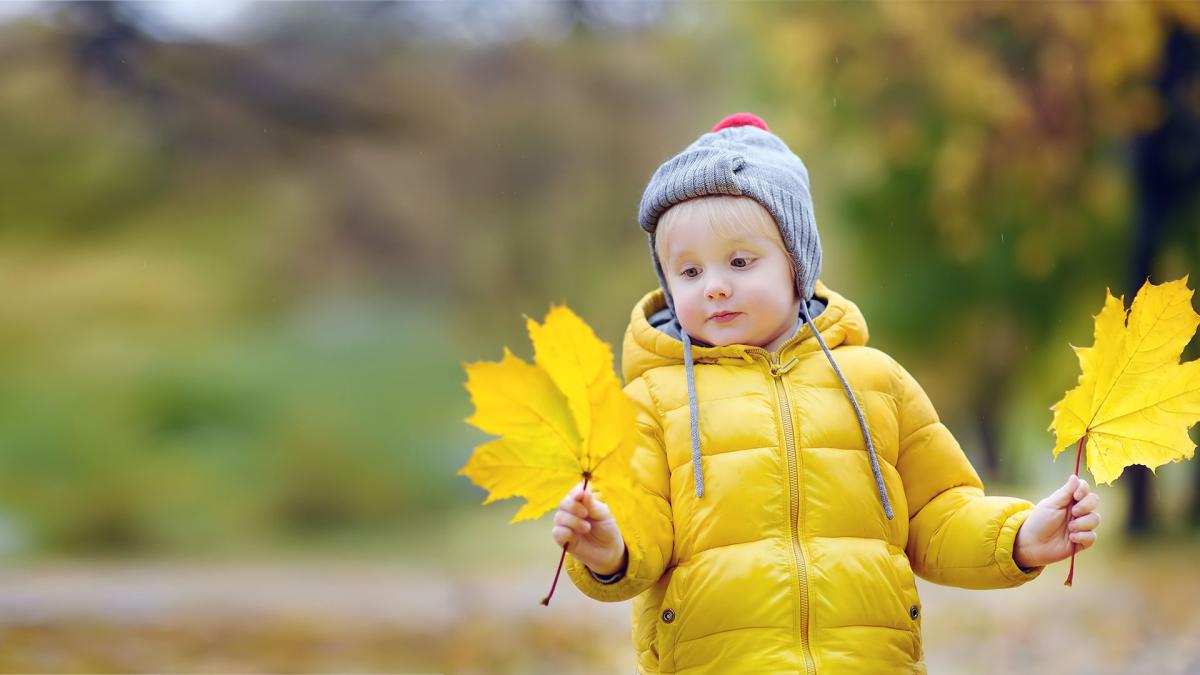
[1167, 170]
[989, 414]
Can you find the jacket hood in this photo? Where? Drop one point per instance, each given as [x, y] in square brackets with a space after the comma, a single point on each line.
[652, 338]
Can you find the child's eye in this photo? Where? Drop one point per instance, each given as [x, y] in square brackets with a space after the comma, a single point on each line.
[744, 261]
[688, 272]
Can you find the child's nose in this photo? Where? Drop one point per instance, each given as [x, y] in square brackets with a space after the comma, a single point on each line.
[717, 288]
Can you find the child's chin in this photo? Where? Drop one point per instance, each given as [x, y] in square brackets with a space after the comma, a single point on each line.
[726, 338]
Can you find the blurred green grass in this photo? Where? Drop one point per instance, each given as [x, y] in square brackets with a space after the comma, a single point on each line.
[346, 414]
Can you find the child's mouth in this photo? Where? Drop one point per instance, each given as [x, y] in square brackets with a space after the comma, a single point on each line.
[725, 318]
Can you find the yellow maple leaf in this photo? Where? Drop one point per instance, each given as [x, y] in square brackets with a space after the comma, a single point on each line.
[561, 420]
[1135, 401]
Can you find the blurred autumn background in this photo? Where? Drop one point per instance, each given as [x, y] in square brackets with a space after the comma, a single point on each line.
[246, 248]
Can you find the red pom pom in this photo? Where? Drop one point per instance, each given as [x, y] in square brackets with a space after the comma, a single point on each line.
[741, 120]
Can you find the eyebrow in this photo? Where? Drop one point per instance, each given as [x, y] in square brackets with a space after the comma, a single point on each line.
[737, 243]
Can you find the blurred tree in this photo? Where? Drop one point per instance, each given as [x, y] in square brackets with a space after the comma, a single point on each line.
[477, 162]
[989, 143]
[1166, 166]
[267, 256]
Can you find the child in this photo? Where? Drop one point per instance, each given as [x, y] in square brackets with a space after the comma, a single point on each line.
[790, 496]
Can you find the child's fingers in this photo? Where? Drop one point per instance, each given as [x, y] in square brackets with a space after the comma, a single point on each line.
[567, 520]
[573, 506]
[597, 510]
[571, 503]
[1083, 539]
[1084, 523]
[571, 497]
[1086, 505]
[563, 535]
[1081, 490]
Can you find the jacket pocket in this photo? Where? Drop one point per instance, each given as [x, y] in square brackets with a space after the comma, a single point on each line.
[913, 602]
[647, 608]
[672, 612]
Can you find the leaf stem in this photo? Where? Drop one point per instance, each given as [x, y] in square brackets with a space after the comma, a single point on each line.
[1070, 506]
[561, 558]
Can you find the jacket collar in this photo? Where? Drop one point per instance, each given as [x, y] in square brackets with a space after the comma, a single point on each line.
[648, 346]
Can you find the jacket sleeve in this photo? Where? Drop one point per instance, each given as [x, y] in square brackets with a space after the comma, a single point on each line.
[649, 532]
[957, 536]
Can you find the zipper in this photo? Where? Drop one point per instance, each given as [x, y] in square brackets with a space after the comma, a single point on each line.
[777, 372]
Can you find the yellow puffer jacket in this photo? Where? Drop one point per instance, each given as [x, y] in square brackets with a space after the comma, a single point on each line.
[788, 563]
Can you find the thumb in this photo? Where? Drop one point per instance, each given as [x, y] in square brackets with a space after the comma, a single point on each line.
[1061, 497]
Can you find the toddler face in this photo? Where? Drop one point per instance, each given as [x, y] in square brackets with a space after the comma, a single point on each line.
[730, 288]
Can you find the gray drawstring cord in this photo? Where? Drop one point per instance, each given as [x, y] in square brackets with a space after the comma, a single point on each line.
[694, 415]
[693, 410]
[862, 422]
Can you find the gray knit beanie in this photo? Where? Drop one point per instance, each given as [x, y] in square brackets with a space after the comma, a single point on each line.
[741, 157]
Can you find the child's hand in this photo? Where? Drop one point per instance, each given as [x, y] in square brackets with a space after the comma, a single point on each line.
[587, 525]
[1048, 535]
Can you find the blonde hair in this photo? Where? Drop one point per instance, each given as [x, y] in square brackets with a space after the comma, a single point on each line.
[726, 216]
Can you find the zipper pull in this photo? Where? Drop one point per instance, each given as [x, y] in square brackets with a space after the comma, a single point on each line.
[778, 370]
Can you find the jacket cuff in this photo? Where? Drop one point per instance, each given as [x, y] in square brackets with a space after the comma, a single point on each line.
[1006, 544]
[638, 575]
[593, 586]
[607, 578]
